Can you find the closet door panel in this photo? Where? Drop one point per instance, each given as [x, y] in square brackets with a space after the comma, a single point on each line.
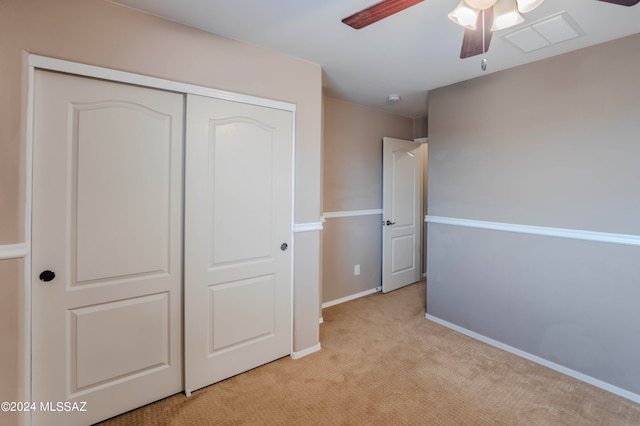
[107, 246]
[238, 217]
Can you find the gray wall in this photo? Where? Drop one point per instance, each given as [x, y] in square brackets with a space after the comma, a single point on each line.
[553, 143]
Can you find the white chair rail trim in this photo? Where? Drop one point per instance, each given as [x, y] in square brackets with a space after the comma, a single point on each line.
[307, 227]
[350, 213]
[13, 251]
[575, 234]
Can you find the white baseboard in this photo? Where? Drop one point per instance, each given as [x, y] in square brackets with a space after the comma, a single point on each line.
[534, 358]
[352, 297]
[305, 352]
[321, 320]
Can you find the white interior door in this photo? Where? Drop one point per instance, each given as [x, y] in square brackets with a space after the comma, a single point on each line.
[106, 247]
[401, 195]
[238, 221]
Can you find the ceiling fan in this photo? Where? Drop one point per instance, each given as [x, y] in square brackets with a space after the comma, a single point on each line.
[479, 18]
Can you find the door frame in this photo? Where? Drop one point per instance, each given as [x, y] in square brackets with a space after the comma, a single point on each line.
[75, 68]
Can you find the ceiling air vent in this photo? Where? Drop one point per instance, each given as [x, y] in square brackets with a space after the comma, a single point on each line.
[545, 32]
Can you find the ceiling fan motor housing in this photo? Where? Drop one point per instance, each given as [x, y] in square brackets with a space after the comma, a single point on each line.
[481, 4]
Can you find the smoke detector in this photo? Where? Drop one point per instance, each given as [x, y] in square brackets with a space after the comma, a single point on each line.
[393, 99]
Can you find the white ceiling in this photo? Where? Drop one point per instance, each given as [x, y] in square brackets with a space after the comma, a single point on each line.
[407, 54]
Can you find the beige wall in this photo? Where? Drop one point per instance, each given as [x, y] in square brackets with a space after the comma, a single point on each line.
[553, 143]
[10, 323]
[352, 180]
[100, 33]
[421, 127]
[352, 156]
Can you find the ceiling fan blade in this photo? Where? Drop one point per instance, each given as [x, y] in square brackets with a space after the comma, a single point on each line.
[377, 12]
[472, 40]
[623, 2]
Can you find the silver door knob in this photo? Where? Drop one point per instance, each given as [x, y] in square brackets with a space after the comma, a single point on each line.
[284, 246]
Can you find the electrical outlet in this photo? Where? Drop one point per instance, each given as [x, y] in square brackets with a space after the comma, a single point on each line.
[356, 269]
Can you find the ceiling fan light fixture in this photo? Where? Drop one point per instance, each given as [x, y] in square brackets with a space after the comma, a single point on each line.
[465, 15]
[525, 6]
[505, 15]
[481, 4]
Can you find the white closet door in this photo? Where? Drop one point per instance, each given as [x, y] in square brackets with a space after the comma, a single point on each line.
[106, 266]
[237, 237]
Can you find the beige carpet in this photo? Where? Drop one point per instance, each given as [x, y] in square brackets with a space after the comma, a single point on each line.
[383, 363]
